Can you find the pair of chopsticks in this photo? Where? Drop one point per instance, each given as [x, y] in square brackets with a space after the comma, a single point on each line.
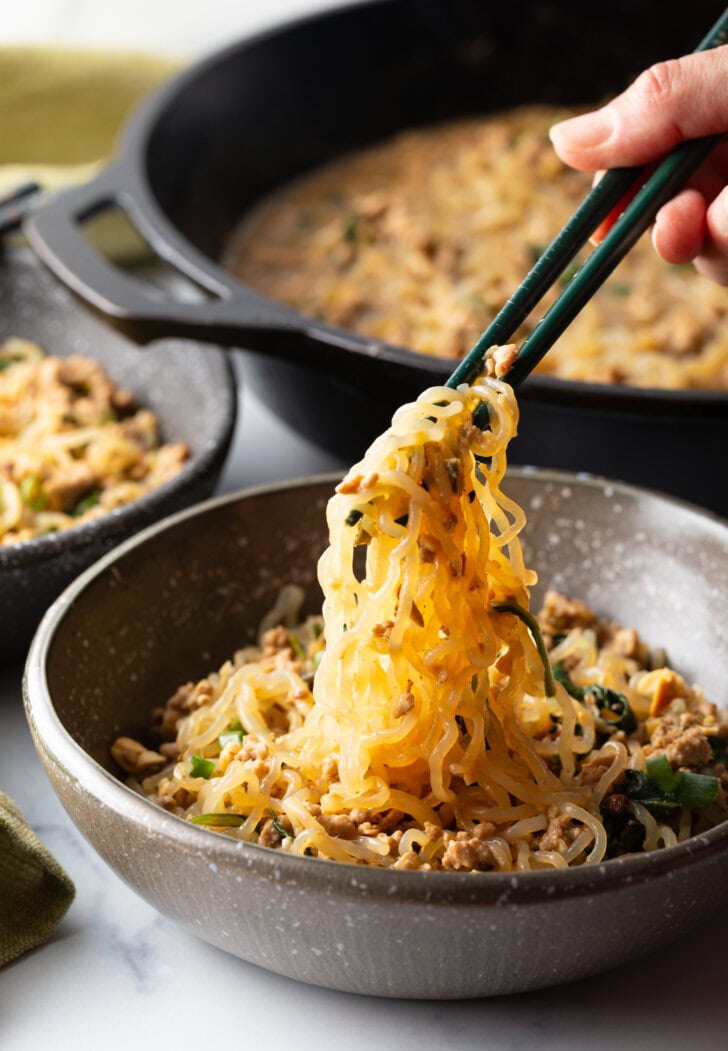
[656, 189]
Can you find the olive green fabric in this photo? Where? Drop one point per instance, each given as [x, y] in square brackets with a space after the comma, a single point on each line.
[35, 892]
[61, 111]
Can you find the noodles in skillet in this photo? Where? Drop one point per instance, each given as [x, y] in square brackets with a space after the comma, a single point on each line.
[432, 730]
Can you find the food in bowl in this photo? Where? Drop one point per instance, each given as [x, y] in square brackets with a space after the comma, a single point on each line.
[73, 445]
[420, 240]
[439, 727]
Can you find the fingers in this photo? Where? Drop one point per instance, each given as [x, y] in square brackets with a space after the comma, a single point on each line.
[680, 228]
[680, 99]
[713, 259]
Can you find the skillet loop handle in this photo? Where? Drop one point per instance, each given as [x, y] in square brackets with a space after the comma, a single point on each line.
[234, 315]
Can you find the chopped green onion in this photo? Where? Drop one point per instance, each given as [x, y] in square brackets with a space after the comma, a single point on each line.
[317, 629]
[201, 767]
[640, 788]
[620, 290]
[32, 493]
[353, 517]
[296, 646]
[219, 820]
[85, 503]
[236, 725]
[280, 829]
[350, 228]
[532, 624]
[696, 790]
[317, 658]
[232, 737]
[660, 772]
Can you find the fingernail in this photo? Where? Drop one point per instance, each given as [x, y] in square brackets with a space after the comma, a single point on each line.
[583, 132]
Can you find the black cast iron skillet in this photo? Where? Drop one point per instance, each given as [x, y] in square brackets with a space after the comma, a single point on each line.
[212, 142]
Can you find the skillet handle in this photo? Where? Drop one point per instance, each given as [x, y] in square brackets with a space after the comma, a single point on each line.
[231, 314]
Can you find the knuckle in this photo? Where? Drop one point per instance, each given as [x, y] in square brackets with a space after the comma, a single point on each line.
[659, 82]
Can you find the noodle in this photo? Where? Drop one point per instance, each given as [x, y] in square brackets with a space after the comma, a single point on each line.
[432, 735]
[72, 445]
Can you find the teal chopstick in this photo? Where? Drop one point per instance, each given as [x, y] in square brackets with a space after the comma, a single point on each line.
[659, 187]
[639, 214]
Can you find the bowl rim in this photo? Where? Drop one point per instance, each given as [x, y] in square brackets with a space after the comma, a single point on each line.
[58, 748]
[51, 545]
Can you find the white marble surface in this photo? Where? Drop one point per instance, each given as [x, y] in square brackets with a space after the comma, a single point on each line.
[117, 974]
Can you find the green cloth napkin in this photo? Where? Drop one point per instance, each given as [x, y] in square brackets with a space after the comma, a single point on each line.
[61, 111]
[35, 892]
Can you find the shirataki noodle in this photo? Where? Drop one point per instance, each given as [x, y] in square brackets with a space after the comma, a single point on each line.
[422, 727]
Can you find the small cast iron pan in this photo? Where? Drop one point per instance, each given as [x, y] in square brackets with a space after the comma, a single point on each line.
[191, 389]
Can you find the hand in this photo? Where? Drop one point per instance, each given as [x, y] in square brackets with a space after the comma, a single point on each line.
[672, 101]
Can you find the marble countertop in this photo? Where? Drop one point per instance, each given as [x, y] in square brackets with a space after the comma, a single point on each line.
[117, 973]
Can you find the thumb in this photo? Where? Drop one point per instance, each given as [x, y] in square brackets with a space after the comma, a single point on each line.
[683, 98]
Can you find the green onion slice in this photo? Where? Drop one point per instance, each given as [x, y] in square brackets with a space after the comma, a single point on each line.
[697, 791]
[297, 646]
[85, 503]
[201, 767]
[233, 736]
[660, 772]
[219, 820]
[32, 493]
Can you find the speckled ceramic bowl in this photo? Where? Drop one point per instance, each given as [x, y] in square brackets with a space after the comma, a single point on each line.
[190, 387]
[175, 601]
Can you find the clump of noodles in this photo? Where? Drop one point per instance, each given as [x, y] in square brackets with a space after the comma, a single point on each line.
[411, 645]
[421, 682]
[430, 707]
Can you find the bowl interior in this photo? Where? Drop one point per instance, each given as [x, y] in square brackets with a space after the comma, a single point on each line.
[175, 604]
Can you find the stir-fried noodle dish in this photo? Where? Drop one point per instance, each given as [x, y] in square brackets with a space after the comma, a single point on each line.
[420, 240]
[428, 720]
[73, 445]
